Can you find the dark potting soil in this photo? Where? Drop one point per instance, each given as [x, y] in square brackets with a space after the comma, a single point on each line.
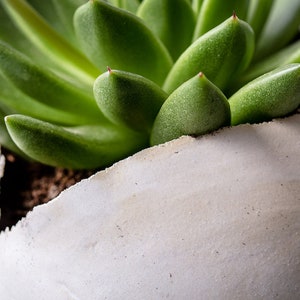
[26, 184]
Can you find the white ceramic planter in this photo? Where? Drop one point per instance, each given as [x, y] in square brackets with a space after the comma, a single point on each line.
[215, 217]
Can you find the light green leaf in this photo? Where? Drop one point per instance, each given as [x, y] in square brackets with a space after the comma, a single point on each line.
[56, 48]
[128, 99]
[195, 108]
[214, 12]
[274, 94]
[16, 101]
[280, 28]
[196, 5]
[257, 14]
[172, 21]
[130, 5]
[221, 54]
[46, 87]
[289, 54]
[59, 15]
[5, 139]
[83, 147]
[115, 37]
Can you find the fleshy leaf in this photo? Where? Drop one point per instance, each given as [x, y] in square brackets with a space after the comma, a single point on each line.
[83, 147]
[115, 37]
[274, 94]
[130, 5]
[221, 54]
[11, 34]
[214, 12]
[280, 28]
[63, 54]
[128, 99]
[16, 101]
[257, 14]
[59, 15]
[196, 5]
[5, 139]
[172, 21]
[46, 87]
[195, 108]
[289, 54]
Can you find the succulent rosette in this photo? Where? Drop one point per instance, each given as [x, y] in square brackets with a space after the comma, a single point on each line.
[86, 83]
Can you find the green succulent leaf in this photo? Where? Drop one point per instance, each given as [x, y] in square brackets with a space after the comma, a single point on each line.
[280, 28]
[64, 11]
[196, 5]
[16, 101]
[10, 34]
[222, 53]
[46, 87]
[257, 14]
[81, 147]
[115, 37]
[214, 12]
[288, 55]
[272, 95]
[56, 48]
[128, 99]
[59, 15]
[172, 21]
[130, 5]
[195, 108]
[5, 139]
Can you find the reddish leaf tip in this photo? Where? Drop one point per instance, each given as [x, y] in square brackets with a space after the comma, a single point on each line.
[109, 69]
[201, 74]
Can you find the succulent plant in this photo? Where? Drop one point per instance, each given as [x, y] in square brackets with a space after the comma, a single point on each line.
[86, 83]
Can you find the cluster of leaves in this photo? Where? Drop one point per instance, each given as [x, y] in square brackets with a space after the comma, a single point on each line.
[86, 83]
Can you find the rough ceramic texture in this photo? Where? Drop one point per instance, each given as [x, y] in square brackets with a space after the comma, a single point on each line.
[215, 217]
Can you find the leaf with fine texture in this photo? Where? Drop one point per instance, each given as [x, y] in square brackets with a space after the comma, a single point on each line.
[214, 12]
[11, 34]
[82, 147]
[288, 55]
[64, 55]
[46, 87]
[117, 38]
[5, 139]
[220, 54]
[59, 14]
[173, 21]
[16, 101]
[195, 108]
[272, 95]
[129, 99]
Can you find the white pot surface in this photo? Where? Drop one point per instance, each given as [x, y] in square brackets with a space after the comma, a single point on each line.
[217, 217]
